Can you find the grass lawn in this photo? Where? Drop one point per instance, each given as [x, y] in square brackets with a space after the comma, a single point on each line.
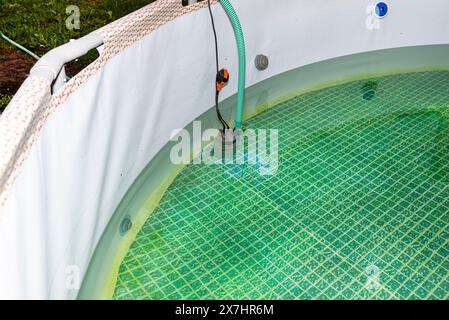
[40, 25]
[4, 100]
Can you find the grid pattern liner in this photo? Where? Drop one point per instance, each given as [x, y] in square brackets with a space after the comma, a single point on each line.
[359, 208]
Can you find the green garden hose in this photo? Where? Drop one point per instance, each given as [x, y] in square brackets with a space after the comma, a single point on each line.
[242, 60]
[15, 44]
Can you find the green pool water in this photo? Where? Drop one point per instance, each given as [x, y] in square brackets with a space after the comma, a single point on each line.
[358, 209]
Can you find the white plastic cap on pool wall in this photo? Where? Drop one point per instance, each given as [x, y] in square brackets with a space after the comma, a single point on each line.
[51, 64]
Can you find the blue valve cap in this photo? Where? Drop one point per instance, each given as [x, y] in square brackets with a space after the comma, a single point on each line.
[381, 9]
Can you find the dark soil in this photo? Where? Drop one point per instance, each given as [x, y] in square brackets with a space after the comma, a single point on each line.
[14, 69]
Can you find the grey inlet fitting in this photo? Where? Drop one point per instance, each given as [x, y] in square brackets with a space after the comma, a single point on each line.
[261, 62]
[125, 225]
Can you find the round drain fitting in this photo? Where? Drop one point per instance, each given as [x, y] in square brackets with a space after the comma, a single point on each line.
[125, 225]
[262, 62]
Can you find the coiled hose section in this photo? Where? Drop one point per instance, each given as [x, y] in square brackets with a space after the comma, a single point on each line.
[242, 60]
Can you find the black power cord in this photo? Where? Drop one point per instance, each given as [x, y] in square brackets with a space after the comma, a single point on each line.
[217, 92]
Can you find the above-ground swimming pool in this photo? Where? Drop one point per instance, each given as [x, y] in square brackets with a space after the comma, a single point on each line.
[359, 208]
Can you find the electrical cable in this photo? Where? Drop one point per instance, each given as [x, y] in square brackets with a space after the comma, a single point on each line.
[217, 92]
